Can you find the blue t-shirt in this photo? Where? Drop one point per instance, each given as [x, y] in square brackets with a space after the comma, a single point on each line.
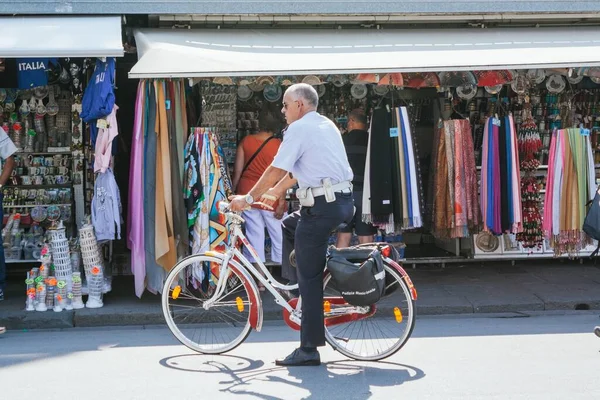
[99, 97]
[31, 72]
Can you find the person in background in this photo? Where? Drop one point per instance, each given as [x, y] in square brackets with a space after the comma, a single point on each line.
[254, 154]
[355, 142]
[7, 150]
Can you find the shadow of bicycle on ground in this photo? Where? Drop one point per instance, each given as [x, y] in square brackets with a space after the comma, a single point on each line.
[343, 379]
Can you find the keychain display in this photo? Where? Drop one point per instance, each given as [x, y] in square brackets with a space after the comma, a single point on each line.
[530, 142]
[532, 235]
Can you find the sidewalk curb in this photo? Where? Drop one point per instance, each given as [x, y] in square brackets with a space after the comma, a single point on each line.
[129, 316]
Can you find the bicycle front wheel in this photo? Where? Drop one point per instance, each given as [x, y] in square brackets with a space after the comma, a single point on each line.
[371, 333]
[214, 329]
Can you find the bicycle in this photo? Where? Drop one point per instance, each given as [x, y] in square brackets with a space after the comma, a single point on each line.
[207, 296]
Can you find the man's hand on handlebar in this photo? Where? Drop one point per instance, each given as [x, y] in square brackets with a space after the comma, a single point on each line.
[238, 203]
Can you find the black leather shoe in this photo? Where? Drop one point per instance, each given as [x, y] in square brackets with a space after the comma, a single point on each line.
[597, 331]
[300, 358]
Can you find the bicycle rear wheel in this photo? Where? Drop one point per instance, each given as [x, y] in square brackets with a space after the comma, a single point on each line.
[383, 328]
[218, 329]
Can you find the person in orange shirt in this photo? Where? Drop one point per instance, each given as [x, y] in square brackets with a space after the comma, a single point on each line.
[254, 154]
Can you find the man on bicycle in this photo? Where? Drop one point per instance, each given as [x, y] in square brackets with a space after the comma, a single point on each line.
[312, 153]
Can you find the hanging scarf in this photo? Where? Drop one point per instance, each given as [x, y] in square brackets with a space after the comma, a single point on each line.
[497, 191]
[504, 161]
[471, 178]
[193, 192]
[577, 144]
[442, 206]
[516, 203]
[416, 220]
[514, 189]
[381, 167]
[166, 254]
[449, 140]
[397, 181]
[460, 195]
[591, 171]
[155, 274]
[366, 200]
[404, 183]
[569, 201]
[548, 196]
[135, 214]
[483, 193]
[557, 187]
[180, 231]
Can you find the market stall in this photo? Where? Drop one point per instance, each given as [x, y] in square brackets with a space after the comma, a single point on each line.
[474, 118]
[51, 109]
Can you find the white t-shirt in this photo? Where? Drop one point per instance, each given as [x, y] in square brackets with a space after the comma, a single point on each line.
[312, 149]
[7, 147]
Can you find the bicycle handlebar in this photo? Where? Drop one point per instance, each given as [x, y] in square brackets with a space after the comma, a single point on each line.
[224, 209]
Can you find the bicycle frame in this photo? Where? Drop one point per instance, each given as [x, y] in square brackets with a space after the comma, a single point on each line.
[231, 252]
[294, 307]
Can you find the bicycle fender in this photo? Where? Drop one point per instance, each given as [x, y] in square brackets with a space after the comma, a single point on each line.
[256, 310]
[402, 272]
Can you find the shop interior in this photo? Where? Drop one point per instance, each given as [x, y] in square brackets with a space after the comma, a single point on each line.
[539, 103]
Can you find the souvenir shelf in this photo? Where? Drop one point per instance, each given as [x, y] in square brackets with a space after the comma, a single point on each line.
[36, 206]
[40, 191]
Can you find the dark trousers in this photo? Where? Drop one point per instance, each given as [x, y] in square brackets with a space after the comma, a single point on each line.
[307, 231]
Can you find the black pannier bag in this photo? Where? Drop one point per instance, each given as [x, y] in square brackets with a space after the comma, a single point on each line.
[359, 285]
[591, 224]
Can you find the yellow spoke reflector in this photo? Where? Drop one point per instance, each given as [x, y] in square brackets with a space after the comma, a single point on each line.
[398, 314]
[240, 304]
[176, 292]
[327, 306]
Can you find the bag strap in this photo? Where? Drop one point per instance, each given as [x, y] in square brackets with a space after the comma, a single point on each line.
[256, 153]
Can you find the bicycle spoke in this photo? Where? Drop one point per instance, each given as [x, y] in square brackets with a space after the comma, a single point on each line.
[381, 334]
[217, 328]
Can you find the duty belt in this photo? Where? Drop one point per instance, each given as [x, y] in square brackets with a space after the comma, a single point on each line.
[343, 187]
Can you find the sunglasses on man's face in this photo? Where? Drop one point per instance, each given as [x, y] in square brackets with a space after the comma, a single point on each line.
[285, 105]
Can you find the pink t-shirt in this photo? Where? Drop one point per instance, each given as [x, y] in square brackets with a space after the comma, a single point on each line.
[106, 135]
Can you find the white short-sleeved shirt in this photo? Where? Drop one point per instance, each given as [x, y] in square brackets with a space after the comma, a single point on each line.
[312, 149]
[7, 147]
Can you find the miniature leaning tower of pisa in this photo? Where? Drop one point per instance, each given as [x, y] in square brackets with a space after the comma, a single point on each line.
[93, 265]
[59, 246]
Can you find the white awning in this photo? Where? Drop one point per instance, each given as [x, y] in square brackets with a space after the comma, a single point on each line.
[242, 52]
[28, 37]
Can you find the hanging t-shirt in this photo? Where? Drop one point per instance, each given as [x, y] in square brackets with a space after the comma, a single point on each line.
[99, 97]
[31, 72]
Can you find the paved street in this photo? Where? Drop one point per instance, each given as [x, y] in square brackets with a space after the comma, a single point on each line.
[506, 356]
